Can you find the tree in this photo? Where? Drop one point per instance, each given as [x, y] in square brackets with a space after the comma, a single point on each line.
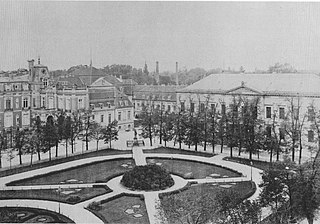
[20, 140]
[281, 68]
[75, 129]
[97, 133]
[32, 144]
[10, 155]
[148, 122]
[168, 127]
[145, 69]
[61, 129]
[50, 135]
[87, 125]
[110, 133]
[232, 208]
[213, 117]
[178, 130]
[2, 145]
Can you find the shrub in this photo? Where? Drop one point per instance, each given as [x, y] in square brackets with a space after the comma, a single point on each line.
[73, 199]
[149, 177]
[94, 206]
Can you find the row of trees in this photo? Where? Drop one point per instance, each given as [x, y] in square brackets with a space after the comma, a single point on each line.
[64, 128]
[239, 126]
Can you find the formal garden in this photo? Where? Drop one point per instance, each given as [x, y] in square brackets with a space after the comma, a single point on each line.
[115, 190]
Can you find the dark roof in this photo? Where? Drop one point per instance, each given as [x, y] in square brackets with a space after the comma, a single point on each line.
[70, 81]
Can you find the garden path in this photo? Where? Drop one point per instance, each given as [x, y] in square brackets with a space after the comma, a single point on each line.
[151, 198]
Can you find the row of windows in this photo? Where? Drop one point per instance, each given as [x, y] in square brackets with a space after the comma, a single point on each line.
[310, 116]
[9, 106]
[282, 133]
[109, 117]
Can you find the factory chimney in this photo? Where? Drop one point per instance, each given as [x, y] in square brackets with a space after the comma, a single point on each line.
[177, 74]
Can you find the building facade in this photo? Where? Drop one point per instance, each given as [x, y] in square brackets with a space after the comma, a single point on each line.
[279, 95]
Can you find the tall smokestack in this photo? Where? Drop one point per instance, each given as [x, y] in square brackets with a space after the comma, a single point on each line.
[157, 67]
[177, 74]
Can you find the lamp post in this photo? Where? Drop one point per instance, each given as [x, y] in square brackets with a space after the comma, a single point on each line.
[251, 163]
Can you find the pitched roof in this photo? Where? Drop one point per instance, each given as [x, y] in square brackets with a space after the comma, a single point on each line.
[266, 84]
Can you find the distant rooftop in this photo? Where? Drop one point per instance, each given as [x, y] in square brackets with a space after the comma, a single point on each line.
[265, 84]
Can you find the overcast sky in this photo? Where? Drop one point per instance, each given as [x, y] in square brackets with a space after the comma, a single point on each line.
[196, 34]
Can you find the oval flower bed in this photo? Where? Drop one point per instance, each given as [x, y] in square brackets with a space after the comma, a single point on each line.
[147, 178]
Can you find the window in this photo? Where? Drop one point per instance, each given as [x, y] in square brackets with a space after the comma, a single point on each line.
[268, 112]
[182, 106]
[45, 82]
[93, 117]
[310, 114]
[17, 103]
[101, 119]
[268, 131]
[310, 136]
[91, 106]
[191, 107]
[18, 120]
[34, 102]
[44, 101]
[101, 105]
[119, 116]
[80, 104]
[8, 104]
[169, 108]
[223, 109]
[109, 118]
[129, 114]
[281, 113]
[202, 107]
[25, 103]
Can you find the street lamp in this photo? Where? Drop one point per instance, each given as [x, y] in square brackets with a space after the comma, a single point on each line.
[251, 163]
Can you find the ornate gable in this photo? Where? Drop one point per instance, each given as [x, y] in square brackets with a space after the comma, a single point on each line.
[101, 82]
[243, 90]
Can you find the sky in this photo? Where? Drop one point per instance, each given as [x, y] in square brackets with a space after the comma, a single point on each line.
[194, 34]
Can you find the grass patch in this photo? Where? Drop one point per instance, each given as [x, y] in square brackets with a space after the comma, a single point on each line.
[169, 150]
[45, 162]
[192, 169]
[88, 173]
[262, 165]
[79, 195]
[30, 215]
[114, 211]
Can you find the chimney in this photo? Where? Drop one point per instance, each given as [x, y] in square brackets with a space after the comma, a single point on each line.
[31, 64]
[38, 60]
[177, 74]
[157, 67]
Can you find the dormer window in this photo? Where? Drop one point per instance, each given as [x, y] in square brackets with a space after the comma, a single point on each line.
[25, 103]
[45, 82]
[101, 105]
[92, 106]
[109, 105]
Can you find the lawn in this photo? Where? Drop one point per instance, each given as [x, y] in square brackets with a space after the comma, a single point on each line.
[191, 169]
[30, 215]
[262, 165]
[70, 195]
[122, 210]
[169, 150]
[245, 189]
[90, 173]
[61, 159]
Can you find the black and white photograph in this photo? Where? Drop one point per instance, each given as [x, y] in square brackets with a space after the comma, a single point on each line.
[159, 112]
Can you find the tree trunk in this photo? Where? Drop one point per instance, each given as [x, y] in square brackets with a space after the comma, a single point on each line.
[66, 148]
[179, 144]
[212, 143]
[196, 147]
[49, 153]
[300, 151]
[221, 145]
[20, 157]
[165, 144]
[31, 157]
[87, 144]
[57, 147]
[110, 143]
[72, 144]
[39, 156]
[271, 154]
[278, 150]
[97, 145]
[310, 220]
[250, 154]
[231, 148]
[0, 159]
[293, 150]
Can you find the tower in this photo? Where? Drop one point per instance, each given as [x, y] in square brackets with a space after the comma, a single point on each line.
[157, 73]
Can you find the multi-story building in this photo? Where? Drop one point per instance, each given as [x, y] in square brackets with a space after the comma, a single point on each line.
[145, 95]
[279, 94]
